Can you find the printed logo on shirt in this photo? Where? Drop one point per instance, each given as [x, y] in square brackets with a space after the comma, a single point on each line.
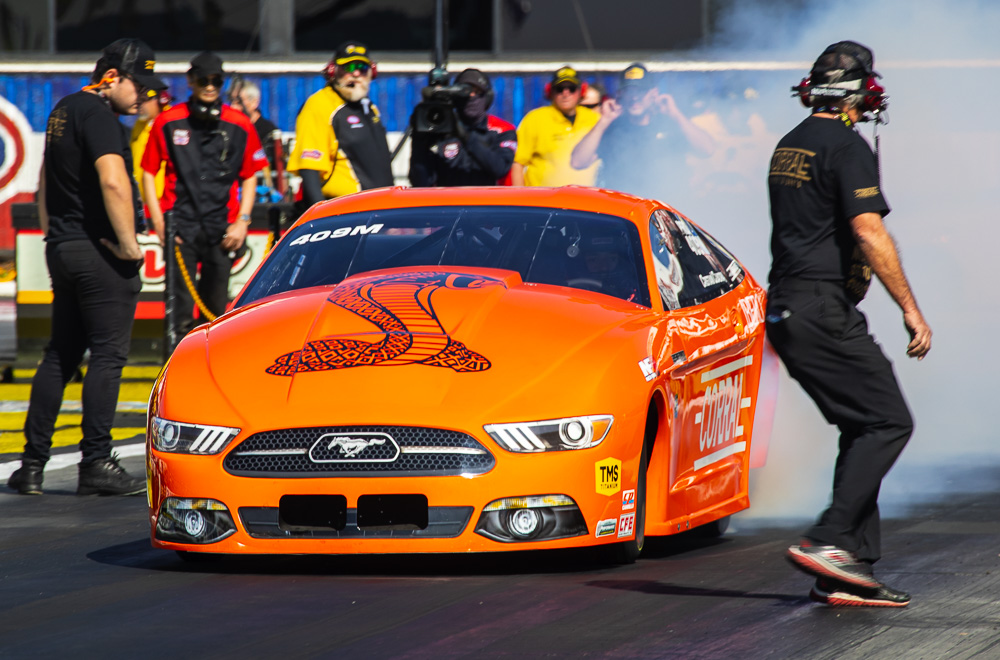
[509, 144]
[312, 154]
[865, 193]
[259, 155]
[353, 119]
[181, 136]
[791, 167]
[450, 150]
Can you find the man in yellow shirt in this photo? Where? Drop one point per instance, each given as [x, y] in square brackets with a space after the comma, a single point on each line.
[340, 141]
[547, 135]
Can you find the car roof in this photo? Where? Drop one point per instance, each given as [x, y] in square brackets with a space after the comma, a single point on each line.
[567, 197]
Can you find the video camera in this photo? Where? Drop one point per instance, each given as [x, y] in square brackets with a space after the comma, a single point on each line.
[435, 114]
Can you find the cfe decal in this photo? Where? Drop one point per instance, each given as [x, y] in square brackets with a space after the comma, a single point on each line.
[400, 306]
[608, 476]
[626, 525]
[719, 417]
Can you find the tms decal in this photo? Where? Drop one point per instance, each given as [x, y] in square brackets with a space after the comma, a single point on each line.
[608, 475]
[628, 500]
[719, 417]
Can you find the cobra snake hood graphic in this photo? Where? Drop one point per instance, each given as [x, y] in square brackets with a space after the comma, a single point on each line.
[484, 338]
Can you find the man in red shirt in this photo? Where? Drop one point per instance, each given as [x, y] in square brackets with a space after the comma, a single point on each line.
[213, 155]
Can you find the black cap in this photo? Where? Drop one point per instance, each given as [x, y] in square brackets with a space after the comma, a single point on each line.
[206, 64]
[857, 61]
[156, 88]
[132, 57]
[474, 77]
[351, 51]
[635, 75]
[566, 74]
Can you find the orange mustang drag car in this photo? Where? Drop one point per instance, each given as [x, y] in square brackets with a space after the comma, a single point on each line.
[464, 370]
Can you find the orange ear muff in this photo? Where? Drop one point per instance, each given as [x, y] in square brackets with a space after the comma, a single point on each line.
[106, 80]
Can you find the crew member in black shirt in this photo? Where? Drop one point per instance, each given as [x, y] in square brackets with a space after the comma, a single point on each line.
[827, 239]
[479, 153]
[89, 211]
[213, 156]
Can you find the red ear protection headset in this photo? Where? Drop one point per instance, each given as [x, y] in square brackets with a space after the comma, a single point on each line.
[875, 99]
[330, 70]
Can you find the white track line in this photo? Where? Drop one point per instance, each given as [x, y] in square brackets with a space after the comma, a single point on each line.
[60, 461]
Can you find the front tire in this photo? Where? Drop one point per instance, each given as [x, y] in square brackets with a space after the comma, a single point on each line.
[629, 551]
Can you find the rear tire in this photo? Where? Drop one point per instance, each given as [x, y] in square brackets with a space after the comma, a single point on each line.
[714, 529]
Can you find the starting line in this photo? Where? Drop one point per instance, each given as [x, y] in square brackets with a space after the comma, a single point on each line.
[60, 461]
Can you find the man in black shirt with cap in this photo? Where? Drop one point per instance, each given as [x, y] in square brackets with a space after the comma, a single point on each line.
[827, 239]
[88, 204]
[479, 153]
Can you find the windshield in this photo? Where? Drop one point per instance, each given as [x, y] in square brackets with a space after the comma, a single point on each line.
[578, 249]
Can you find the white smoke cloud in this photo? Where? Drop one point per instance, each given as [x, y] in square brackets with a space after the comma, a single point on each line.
[941, 174]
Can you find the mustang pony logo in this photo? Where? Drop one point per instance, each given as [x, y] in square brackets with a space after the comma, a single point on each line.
[351, 447]
[400, 306]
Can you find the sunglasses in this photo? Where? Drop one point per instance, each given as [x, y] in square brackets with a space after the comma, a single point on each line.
[356, 65]
[565, 87]
[591, 105]
[205, 81]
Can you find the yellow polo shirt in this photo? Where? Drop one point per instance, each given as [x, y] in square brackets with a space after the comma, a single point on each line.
[545, 141]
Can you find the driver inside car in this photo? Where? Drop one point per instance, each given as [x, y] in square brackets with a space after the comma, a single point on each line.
[606, 267]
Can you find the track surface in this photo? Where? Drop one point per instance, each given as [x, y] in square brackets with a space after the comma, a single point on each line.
[78, 577]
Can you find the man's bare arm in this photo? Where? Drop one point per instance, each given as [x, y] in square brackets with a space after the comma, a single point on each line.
[153, 204]
[516, 174]
[880, 251]
[116, 188]
[585, 152]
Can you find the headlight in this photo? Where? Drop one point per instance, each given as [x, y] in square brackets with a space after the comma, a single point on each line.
[181, 438]
[189, 520]
[552, 435]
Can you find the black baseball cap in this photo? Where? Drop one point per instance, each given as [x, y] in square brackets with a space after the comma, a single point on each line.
[474, 77]
[206, 64]
[132, 57]
[862, 55]
[156, 88]
[351, 51]
[566, 74]
[635, 76]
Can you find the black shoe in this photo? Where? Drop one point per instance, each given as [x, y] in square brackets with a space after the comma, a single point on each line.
[831, 592]
[27, 479]
[107, 477]
[829, 561]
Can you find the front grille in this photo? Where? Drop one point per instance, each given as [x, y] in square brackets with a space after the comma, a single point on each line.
[442, 522]
[358, 451]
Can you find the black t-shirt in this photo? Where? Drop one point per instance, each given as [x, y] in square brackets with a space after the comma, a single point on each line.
[81, 128]
[642, 160]
[822, 174]
[480, 160]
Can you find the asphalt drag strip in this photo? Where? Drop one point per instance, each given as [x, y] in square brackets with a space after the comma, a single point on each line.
[79, 574]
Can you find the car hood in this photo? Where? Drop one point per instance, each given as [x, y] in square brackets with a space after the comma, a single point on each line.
[413, 346]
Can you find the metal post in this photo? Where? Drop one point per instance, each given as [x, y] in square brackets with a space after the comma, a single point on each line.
[170, 338]
[441, 34]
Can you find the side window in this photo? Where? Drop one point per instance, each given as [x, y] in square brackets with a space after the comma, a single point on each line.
[691, 266]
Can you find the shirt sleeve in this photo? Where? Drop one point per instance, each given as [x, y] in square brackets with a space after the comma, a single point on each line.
[254, 158]
[102, 135]
[315, 143]
[527, 135]
[156, 148]
[858, 180]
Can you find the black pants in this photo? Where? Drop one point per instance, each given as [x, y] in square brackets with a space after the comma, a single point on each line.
[94, 297]
[212, 284]
[823, 340]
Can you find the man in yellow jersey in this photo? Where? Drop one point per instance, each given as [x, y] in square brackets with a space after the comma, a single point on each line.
[547, 135]
[340, 141]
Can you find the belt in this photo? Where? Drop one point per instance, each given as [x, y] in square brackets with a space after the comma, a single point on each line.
[798, 284]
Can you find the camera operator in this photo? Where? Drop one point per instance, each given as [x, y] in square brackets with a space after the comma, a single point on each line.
[465, 146]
